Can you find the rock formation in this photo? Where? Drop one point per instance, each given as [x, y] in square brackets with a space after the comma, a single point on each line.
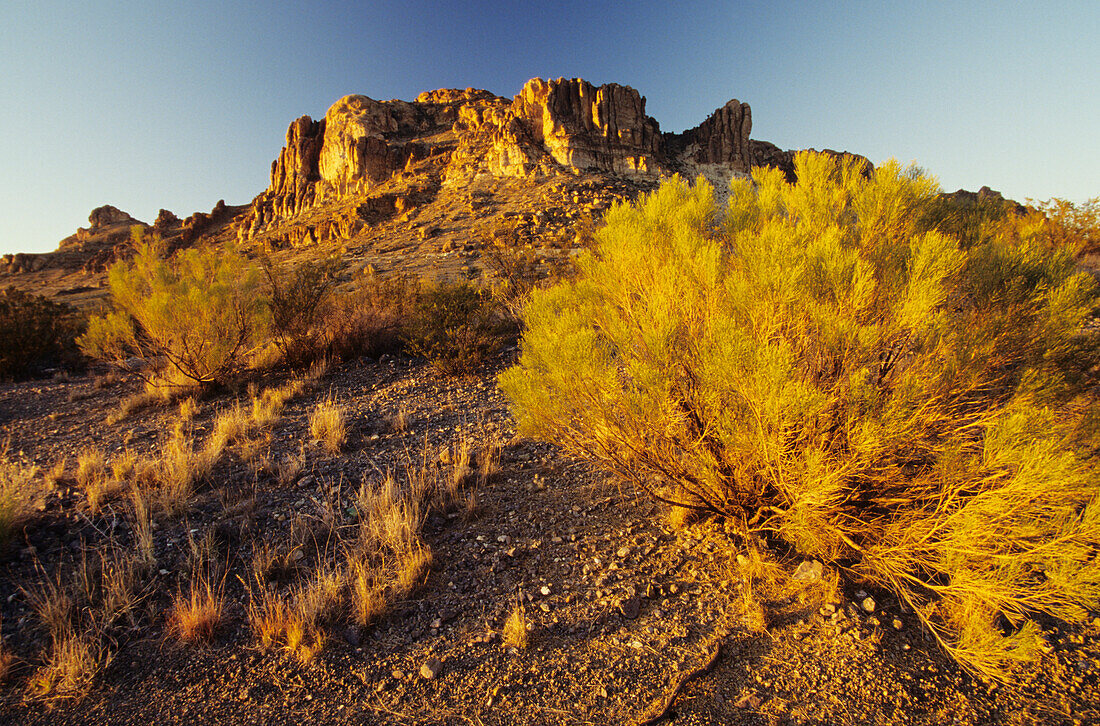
[551, 127]
[107, 215]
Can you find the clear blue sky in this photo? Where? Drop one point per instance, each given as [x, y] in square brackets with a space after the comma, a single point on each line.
[146, 105]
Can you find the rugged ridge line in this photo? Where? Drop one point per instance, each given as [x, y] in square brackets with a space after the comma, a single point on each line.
[550, 128]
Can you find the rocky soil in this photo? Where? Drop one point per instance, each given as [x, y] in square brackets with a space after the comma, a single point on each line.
[630, 620]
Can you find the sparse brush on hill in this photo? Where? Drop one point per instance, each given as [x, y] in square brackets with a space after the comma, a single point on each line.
[368, 318]
[36, 333]
[816, 366]
[199, 313]
[300, 297]
[455, 326]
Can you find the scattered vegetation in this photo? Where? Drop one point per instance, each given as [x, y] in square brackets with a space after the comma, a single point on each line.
[328, 424]
[299, 298]
[200, 313]
[36, 334]
[196, 616]
[514, 634]
[18, 493]
[820, 367]
[455, 326]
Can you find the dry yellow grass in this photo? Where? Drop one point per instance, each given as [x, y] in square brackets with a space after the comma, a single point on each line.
[122, 467]
[18, 493]
[514, 634]
[368, 596]
[290, 466]
[142, 528]
[268, 617]
[71, 666]
[231, 426]
[7, 662]
[56, 473]
[90, 467]
[189, 407]
[120, 583]
[54, 604]
[328, 425]
[195, 617]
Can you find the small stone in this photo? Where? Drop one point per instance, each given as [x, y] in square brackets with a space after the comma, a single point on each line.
[544, 607]
[545, 590]
[807, 571]
[624, 552]
[631, 607]
[398, 675]
[868, 604]
[351, 635]
[897, 624]
[431, 668]
[437, 624]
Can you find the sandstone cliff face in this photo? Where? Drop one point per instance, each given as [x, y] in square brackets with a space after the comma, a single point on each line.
[723, 138]
[587, 128]
[551, 127]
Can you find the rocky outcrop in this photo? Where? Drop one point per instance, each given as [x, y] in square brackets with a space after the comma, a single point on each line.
[722, 139]
[107, 215]
[583, 127]
[551, 127]
[768, 154]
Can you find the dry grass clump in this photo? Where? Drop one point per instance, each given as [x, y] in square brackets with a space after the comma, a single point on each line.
[384, 561]
[189, 408]
[399, 421]
[514, 634]
[195, 617]
[76, 607]
[56, 473]
[70, 668]
[19, 493]
[90, 466]
[181, 467]
[231, 426]
[122, 467]
[7, 662]
[328, 425]
[142, 528]
[290, 466]
[278, 623]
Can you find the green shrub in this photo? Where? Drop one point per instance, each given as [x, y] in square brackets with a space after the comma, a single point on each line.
[35, 333]
[455, 326]
[299, 297]
[199, 313]
[818, 368]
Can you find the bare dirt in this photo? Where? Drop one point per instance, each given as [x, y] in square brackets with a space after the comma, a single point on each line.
[630, 621]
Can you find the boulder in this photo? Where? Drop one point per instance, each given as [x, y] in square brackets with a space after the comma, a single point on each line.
[107, 215]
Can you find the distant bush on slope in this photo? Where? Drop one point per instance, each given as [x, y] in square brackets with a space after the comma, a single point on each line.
[198, 314]
[35, 334]
[455, 326]
[816, 365]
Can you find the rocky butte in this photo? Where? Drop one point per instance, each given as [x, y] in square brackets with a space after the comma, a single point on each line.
[412, 185]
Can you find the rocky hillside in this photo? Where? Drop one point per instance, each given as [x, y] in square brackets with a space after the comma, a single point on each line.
[417, 185]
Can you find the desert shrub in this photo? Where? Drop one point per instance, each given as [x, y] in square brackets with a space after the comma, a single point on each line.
[299, 297]
[455, 326]
[968, 217]
[35, 334]
[199, 313]
[19, 493]
[818, 368]
[368, 319]
[1065, 224]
